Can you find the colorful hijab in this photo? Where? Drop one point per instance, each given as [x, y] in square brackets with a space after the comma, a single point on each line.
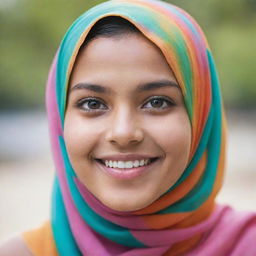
[176, 221]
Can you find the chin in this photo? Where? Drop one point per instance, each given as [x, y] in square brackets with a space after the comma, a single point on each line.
[124, 205]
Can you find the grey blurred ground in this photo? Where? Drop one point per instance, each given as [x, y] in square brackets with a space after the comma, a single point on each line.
[26, 169]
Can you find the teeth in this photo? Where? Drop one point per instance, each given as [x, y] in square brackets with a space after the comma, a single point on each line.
[120, 164]
[136, 163]
[126, 164]
[115, 164]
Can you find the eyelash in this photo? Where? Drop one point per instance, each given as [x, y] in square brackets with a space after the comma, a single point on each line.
[80, 104]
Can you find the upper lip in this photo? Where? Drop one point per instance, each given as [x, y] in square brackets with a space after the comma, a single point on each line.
[126, 157]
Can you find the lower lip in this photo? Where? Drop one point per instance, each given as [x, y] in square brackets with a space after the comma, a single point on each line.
[126, 174]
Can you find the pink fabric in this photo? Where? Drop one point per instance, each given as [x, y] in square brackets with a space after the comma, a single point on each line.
[234, 234]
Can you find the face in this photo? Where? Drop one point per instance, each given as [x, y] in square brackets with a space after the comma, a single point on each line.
[126, 128]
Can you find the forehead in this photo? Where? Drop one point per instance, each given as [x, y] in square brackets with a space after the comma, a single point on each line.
[128, 56]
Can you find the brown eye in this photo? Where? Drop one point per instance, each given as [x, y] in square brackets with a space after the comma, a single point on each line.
[158, 103]
[91, 104]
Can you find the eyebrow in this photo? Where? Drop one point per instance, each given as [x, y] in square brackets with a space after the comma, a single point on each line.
[91, 87]
[157, 84]
[140, 88]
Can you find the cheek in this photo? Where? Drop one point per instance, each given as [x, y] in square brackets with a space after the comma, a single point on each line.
[79, 135]
[173, 135]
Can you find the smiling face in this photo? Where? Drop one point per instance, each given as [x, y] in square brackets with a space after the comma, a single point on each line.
[126, 128]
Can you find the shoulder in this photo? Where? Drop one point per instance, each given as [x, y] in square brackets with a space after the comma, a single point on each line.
[13, 247]
[40, 241]
[35, 242]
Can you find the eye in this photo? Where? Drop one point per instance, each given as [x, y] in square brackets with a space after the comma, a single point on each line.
[158, 103]
[91, 104]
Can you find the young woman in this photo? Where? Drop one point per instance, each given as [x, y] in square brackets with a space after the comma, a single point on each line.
[138, 137]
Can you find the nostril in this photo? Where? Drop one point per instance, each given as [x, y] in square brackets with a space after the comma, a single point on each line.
[124, 136]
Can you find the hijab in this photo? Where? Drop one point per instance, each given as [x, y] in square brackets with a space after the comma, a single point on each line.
[176, 221]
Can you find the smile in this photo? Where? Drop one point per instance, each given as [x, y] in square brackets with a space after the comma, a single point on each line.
[126, 164]
[126, 169]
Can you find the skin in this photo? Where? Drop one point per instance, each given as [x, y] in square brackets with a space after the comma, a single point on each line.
[13, 247]
[125, 121]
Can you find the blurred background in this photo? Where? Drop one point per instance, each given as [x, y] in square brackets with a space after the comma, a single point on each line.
[30, 32]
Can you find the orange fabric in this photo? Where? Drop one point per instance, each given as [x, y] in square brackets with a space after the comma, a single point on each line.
[180, 248]
[40, 241]
[180, 220]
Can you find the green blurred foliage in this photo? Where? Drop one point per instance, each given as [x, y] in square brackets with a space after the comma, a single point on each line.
[230, 27]
[31, 30]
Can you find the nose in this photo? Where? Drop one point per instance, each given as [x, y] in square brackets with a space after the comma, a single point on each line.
[124, 129]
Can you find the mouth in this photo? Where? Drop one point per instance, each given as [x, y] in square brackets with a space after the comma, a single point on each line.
[126, 169]
[126, 164]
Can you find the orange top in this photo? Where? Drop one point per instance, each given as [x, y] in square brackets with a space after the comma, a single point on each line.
[40, 241]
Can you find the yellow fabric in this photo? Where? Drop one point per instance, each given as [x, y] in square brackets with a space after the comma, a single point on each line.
[40, 241]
